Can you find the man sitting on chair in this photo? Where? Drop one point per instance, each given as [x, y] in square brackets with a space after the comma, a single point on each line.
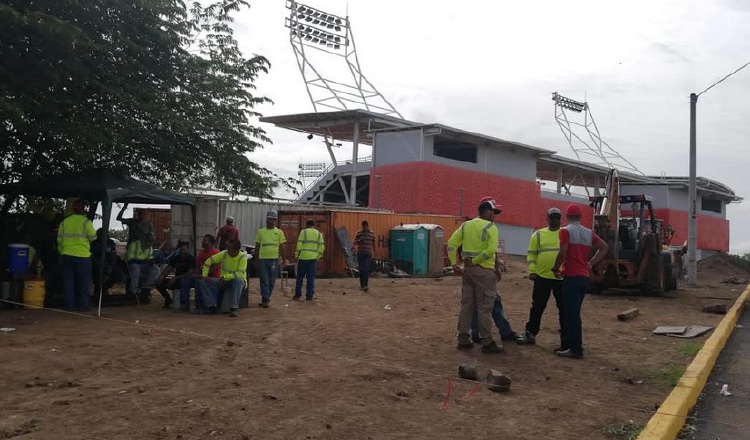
[233, 278]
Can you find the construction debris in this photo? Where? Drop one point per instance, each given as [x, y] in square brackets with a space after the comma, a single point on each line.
[628, 314]
[736, 280]
[720, 309]
[498, 381]
[468, 371]
[685, 332]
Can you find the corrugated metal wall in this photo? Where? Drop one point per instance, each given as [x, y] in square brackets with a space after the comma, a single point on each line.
[381, 223]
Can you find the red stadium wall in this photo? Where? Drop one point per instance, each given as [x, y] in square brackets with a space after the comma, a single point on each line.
[430, 188]
[426, 187]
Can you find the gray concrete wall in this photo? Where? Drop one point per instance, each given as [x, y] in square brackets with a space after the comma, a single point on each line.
[397, 147]
[516, 238]
[489, 160]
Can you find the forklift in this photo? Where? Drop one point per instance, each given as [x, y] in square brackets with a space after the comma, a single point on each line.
[637, 257]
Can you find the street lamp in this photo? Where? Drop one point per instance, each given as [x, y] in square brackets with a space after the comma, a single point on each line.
[692, 261]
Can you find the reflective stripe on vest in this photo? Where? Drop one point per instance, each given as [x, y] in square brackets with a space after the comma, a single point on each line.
[472, 254]
[539, 247]
[226, 270]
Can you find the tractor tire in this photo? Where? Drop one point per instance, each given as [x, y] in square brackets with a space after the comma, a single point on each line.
[670, 272]
[654, 279]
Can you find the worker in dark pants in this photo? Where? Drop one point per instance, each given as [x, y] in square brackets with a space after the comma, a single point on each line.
[365, 241]
[576, 242]
[543, 249]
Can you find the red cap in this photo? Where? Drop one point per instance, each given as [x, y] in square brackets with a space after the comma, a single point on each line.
[573, 210]
[491, 200]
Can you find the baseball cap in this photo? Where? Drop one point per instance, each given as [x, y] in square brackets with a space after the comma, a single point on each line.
[272, 214]
[552, 211]
[491, 202]
[230, 218]
[573, 210]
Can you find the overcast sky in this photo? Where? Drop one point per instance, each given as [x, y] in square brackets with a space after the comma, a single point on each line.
[491, 66]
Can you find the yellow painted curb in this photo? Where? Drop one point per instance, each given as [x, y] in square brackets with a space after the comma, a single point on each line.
[668, 420]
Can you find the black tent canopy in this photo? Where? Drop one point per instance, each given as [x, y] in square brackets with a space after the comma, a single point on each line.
[99, 185]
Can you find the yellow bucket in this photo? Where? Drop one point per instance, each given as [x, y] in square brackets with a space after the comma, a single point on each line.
[33, 294]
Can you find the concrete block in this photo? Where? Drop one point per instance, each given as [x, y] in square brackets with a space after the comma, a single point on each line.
[498, 381]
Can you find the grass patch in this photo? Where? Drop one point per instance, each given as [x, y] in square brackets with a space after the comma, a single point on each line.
[626, 431]
[691, 348]
[670, 375]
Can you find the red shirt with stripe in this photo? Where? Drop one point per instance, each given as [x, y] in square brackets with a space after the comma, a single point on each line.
[579, 240]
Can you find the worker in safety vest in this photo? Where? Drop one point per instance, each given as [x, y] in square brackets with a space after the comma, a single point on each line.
[269, 253]
[233, 278]
[74, 237]
[543, 249]
[478, 240]
[139, 253]
[310, 248]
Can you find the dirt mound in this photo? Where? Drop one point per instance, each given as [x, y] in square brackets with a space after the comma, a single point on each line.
[724, 264]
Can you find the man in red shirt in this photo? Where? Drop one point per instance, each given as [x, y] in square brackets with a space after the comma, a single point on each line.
[576, 242]
[227, 232]
[207, 251]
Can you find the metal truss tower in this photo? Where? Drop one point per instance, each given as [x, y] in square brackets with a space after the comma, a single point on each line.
[594, 148]
[317, 37]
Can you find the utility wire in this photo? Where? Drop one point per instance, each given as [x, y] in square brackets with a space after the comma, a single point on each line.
[723, 79]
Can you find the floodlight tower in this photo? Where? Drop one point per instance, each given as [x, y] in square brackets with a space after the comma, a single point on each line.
[314, 32]
[596, 148]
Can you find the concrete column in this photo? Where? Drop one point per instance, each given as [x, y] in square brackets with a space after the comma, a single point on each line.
[355, 154]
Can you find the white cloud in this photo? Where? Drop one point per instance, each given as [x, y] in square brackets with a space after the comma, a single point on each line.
[491, 67]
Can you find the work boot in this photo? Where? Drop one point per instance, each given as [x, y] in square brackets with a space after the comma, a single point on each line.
[233, 313]
[167, 303]
[569, 354]
[297, 297]
[465, 345]
[527, 338]
[512, 336]
[263, 304]
[492, 348]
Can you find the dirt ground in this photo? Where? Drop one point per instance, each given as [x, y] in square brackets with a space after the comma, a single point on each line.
[349, 365]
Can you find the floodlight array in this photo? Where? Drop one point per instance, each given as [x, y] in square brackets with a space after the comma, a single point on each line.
[568, 103]
[314, 26]
[312, 166]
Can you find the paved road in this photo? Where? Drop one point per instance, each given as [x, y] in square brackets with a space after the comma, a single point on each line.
[727, 417]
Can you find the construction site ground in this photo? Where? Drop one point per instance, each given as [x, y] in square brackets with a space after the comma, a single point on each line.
[349, 365]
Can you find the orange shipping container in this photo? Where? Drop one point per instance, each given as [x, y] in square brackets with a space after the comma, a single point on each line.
[328, 221]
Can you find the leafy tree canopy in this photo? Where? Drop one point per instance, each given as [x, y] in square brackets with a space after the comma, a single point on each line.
[155, 88]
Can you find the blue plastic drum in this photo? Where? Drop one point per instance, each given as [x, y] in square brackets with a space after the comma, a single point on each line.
[18, 258]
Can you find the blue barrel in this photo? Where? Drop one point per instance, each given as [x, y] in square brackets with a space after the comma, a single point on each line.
[18, 258]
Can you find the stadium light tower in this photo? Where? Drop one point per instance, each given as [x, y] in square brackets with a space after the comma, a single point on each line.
[595, 149]
[314, 33]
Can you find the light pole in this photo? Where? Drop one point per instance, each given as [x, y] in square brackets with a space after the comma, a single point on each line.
[692, 263]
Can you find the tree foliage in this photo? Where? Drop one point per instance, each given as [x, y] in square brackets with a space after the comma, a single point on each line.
[155, 88]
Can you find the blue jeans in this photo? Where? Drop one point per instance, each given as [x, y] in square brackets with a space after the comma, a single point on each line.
[306, 270]
[365, 267]
[503, 326]
[267, 274]
[206, 293]
[574, 290]
[76, 281]
[186, 284]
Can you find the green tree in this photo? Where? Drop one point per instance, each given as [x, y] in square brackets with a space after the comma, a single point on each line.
[155, 88]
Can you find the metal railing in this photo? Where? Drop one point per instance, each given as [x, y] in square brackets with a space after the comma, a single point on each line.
[330, 168]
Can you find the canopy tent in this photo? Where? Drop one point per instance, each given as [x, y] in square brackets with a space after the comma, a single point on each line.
[99, 185]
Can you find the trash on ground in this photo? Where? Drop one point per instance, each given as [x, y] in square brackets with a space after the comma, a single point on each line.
[735, 280]
[7, 329]
[388, 307]
[725, 390]
[685, 332]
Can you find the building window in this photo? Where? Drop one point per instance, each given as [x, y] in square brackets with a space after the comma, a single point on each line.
[461, 151]
[711, 205]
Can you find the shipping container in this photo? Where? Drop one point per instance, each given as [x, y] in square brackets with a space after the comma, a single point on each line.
[328, 221]
[161, 218]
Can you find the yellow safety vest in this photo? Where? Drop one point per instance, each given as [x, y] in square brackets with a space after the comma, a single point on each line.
[74, 236]
[231, 267]
[310, 244]
[135, 251]
[269, 241]
[543, 249]
[478, 239]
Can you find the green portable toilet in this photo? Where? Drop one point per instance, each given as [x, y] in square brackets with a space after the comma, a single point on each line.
[410, 248]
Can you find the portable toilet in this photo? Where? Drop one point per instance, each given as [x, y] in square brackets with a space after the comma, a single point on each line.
[410, 248]
[436, 264]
